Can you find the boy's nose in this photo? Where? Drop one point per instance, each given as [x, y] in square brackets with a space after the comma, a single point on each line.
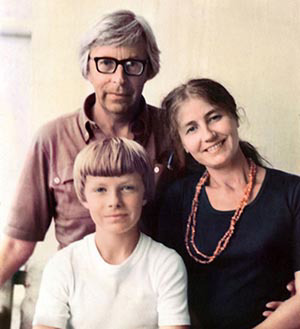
[114, 200]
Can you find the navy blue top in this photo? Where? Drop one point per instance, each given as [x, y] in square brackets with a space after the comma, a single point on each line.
[260, 259]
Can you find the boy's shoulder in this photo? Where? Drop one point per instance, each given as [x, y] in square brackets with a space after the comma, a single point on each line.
[74, 251]
[160, 253]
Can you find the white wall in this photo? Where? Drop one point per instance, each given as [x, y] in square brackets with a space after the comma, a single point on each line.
[15, 95]
[252, 46]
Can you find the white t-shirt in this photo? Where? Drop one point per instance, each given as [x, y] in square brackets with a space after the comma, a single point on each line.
[80, 290]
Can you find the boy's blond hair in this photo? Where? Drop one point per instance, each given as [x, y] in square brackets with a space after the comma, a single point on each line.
[113, 156]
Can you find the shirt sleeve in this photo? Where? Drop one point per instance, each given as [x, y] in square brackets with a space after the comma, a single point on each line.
[52, 308]
[172, 292]
[33, 206]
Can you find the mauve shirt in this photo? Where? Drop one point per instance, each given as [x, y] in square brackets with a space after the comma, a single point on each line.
[45, 188]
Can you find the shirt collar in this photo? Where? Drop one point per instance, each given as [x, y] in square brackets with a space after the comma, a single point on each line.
[140, 125]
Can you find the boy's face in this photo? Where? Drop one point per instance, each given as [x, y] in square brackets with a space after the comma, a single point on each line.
[115, 203]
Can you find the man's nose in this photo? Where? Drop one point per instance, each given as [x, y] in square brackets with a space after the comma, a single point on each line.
[119, 76]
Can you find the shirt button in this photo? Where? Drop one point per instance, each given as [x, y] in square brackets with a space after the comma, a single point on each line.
[156, 169]
[56, 180]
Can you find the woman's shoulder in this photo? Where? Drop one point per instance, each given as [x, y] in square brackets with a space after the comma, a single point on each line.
[282, 176]
[285, 183]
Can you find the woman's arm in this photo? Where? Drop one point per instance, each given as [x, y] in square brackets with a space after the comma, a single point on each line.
[287, 315]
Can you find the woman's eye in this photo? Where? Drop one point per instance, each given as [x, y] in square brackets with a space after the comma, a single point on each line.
[190, 130]
[215, 117]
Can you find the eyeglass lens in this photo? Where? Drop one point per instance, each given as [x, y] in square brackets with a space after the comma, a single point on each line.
[130, 66]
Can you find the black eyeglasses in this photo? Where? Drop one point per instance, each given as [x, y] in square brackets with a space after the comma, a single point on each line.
[108, 65]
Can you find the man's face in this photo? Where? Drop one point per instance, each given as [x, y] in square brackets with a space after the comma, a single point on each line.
[117, 93]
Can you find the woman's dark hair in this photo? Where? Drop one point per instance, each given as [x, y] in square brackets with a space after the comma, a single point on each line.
[213, 93]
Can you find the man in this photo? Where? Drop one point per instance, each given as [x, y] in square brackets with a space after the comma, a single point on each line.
[117, 56]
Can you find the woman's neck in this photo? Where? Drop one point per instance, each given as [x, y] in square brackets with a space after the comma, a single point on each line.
[116, 248]
[232, 176]
[226, 186]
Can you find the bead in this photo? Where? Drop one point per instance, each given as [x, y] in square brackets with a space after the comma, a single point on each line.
[223, 242]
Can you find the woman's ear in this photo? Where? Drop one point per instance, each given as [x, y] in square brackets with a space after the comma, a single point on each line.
[184, 148]
[144, 202]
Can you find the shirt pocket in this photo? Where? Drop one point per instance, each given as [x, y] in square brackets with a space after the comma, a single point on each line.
[67, 203]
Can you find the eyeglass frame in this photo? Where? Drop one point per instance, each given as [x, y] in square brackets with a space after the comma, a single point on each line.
[121, 62]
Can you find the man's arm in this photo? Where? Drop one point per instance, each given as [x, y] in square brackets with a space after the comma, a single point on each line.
[287, 315]
[164, 327]
[274, 304]
[44, 327]
[13, 254]
[169, 327]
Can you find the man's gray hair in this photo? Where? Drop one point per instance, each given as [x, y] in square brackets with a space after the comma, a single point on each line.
[120, 28]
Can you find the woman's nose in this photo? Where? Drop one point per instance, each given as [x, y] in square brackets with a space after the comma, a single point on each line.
[208, 134]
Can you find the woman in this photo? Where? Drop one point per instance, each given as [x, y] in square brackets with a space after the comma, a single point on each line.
[237, 226]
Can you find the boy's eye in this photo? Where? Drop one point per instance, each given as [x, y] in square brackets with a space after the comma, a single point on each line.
[101, 189]
[128, 188]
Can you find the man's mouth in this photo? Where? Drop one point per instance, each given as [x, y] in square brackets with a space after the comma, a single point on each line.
[119, 94]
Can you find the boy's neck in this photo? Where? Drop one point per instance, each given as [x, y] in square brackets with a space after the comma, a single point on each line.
[116, 248]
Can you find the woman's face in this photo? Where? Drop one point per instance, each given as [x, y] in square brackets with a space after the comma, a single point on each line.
[208, 133]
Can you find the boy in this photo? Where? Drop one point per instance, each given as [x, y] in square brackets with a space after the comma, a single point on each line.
[116, 277]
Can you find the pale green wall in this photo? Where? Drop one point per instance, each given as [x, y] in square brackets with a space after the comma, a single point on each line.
[252, 46]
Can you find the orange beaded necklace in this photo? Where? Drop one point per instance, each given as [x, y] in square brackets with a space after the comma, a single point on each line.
[198, 256]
